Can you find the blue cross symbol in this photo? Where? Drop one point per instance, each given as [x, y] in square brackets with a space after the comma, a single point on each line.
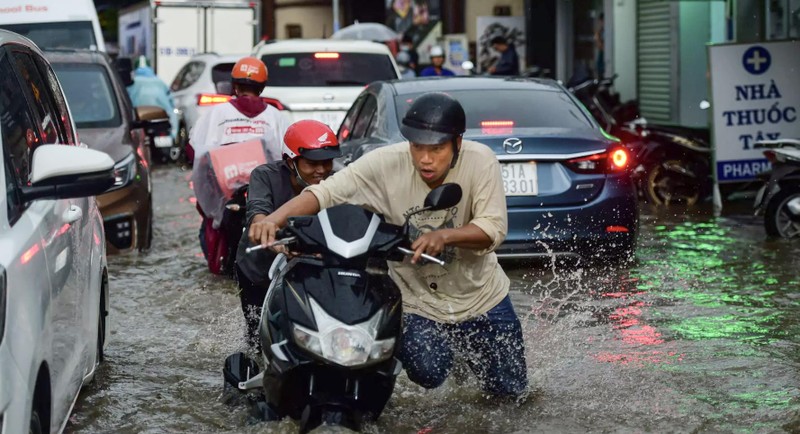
[756, 60]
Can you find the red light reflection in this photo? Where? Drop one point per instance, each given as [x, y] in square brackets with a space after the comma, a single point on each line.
[642, 340]
[30, 253]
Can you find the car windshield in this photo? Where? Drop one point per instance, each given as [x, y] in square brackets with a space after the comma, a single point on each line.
[71, 35]
[328, 69]
[90, 95]
[222, 72]
[493, 112]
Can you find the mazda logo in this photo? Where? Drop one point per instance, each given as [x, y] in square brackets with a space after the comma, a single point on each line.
[512, 145]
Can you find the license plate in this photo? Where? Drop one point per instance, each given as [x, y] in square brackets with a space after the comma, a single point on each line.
[332, 118]
[162, 141]
[519, 179]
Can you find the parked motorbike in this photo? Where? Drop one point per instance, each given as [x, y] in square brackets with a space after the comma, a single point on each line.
[778, 200]
[330, 328]
[673, 164]
[157, 133]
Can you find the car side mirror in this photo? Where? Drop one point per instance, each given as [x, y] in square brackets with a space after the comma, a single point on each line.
[224, 87]
[443, 197]
[64, 172]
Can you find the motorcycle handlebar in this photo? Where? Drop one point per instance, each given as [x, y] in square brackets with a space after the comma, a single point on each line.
[280, 242]
[427, 257]
[779, 143]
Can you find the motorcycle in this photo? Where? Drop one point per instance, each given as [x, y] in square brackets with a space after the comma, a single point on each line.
[157, 133]
[673, 164]
[233, 221]
[331, 326]
[220, 180]
[778, 200]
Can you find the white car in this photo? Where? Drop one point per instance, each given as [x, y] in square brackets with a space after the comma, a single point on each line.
[203, 82]
[53, 274]
[320, 79]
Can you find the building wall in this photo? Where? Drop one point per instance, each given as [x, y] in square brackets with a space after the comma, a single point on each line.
[623, 57]
[693, 85]
[481, 8]
[316, 21]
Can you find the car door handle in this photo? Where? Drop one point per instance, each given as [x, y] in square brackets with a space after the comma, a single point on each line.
[73, 214]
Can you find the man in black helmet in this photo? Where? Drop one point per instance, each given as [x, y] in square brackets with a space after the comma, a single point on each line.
[462, 307]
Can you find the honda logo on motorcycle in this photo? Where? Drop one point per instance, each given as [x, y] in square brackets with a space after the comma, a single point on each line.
[512, 145]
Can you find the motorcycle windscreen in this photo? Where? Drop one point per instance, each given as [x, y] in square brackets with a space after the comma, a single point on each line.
[221, 171]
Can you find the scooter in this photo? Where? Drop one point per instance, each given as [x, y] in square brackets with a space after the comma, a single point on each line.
[330, 327]
[779, 198]
[673, 164]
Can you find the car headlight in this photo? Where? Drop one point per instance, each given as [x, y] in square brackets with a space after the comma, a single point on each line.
[346, 345]
[124, 172]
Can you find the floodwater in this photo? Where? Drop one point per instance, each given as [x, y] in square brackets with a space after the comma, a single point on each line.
[700, 334]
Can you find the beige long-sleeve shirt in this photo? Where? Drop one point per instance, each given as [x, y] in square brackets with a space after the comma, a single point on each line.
[385, 181]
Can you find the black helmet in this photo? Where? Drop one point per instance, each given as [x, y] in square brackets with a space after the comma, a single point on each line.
[433, 119]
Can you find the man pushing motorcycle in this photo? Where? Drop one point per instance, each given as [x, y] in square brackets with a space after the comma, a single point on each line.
[461, 307]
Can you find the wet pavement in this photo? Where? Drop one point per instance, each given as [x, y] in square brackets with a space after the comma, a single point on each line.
[700, 334]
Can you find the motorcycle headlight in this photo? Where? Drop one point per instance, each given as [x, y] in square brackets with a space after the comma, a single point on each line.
[124, 172]
[346, 345]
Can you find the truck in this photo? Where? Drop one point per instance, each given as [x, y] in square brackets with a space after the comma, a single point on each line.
[54, 24]
[169, 32]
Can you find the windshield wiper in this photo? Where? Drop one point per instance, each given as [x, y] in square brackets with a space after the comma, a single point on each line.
[345, 83]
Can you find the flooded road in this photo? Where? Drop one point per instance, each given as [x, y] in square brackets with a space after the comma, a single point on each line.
[701, 334]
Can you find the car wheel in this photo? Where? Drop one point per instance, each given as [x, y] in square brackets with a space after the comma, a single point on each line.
[778, 218]
[147, 239]
[36, 422]
[670, 182]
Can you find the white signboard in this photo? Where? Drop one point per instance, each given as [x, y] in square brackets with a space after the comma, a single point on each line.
[755, 96]
[456, 51]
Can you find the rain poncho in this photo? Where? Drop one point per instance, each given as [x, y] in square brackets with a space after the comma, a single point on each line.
[224, 125]
[147, 89]
[220, 172]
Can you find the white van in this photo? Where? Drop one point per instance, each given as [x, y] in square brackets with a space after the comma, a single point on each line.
[54, 24]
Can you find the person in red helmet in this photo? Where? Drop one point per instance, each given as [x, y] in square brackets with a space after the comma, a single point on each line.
[308, 153]
[245, 117]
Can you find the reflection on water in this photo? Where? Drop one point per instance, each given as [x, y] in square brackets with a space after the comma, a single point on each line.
[700, 334]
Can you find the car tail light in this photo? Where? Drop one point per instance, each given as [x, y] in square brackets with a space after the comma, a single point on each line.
[613, 229]
[206, 99]
[273, 102]
[615, 160]
[618, 159]
[497, 127]
[326, 55]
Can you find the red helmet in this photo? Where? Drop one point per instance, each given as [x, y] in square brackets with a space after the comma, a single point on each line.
[310, 139]
[249, 70]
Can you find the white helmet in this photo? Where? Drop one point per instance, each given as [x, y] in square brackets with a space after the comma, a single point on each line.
[436, 51]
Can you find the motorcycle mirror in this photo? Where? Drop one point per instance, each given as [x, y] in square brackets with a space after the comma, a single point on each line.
[443, 197]
[705, 105]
